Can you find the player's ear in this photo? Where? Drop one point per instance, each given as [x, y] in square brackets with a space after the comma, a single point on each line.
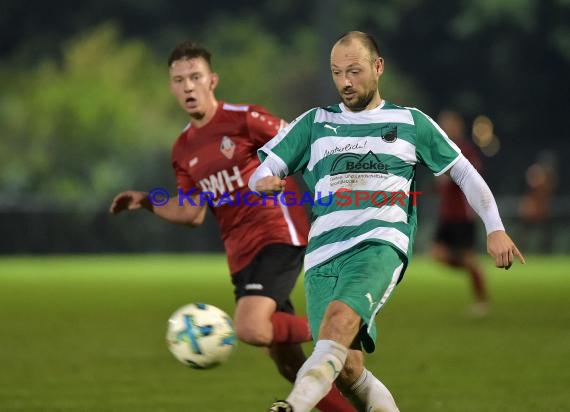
[379, 65]
[214, 79]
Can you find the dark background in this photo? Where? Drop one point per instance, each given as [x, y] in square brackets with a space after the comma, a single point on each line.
[69, 141]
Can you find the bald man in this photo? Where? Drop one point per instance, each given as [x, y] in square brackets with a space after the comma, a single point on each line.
[360, 157]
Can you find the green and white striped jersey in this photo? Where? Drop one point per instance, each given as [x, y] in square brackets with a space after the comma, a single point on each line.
[362, 167]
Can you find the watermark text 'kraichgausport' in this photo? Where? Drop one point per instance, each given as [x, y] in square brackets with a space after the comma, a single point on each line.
[343, 197]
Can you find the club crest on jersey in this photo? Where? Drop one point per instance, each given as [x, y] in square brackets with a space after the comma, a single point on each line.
[227, 147]
[389, 134]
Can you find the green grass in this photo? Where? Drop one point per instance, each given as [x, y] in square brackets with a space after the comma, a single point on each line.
[87, 334]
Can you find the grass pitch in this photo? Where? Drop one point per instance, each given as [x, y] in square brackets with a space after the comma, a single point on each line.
[87, 334]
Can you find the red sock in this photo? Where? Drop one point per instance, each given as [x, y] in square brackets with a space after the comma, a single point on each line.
[288, 328]
[335, 402]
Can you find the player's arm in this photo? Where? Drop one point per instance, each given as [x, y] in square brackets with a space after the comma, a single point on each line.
[262, 127]
[435, 150]
[176, 210]
[481, 199]
[267, 178]
[285, 154]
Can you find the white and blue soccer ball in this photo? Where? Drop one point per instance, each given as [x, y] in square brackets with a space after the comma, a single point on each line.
[201, 335]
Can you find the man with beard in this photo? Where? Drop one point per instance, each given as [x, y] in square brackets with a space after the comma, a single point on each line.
[362, 154]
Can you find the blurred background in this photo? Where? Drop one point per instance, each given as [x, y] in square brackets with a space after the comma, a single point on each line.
[85, 109]
[86, 112]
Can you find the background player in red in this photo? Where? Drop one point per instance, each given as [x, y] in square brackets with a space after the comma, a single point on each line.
[454, 243]
[536, 202]
[213, 160]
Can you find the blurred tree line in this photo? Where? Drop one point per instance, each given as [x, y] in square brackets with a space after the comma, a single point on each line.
[85, 109]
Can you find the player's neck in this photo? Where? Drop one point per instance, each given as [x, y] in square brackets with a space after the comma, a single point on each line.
[375, 102]
[200, 120]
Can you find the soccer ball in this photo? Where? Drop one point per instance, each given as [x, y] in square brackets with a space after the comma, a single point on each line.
[200, 335]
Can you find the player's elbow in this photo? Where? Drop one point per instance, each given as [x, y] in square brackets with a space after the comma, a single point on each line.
[198, 220]
[194, 216]
[195, 223]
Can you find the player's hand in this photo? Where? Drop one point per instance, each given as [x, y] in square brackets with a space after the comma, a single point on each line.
[270, 185]
[502, 249]
[129, 200]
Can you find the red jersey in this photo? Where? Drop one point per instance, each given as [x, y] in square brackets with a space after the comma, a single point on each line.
[453, 204]
[219, 158]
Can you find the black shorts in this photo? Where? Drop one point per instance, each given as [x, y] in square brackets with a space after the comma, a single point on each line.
[456, 235]
[272, 273]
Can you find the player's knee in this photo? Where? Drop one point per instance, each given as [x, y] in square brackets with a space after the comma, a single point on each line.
[341, 324]
[255, 335]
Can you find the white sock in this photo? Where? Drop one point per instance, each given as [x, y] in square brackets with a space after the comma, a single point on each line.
[372, 393]
[316, 376]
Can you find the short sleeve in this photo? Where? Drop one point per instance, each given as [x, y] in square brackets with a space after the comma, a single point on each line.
[434, 149]
[291, 146]
[184, 180]
[262, 125]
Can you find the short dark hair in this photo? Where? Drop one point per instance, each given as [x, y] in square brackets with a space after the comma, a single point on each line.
[189, 50]
[366, 39]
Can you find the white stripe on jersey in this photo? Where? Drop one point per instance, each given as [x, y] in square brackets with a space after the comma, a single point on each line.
[389, 183]
[326, 146]
[290, 225]
[365, 117]
[331, 221]
[325, 252]
[279, 163]
[345, 109]
[235, 107]
[389, 290]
